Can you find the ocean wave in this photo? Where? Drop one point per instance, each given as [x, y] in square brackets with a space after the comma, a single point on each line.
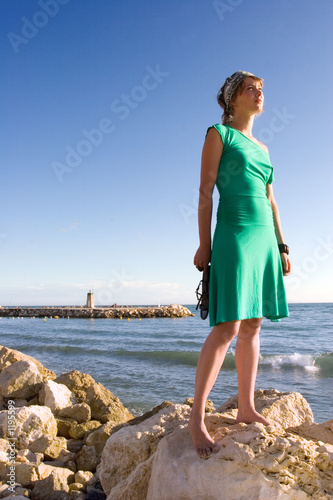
[70, 349]
[290, 362]
[325, 363]
[321, 364]
[189, 358]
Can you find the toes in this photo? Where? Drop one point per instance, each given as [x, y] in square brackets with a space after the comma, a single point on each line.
[205, 452]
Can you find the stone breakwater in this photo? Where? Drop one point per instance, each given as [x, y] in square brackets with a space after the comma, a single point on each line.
[68, 437]
[121, 312]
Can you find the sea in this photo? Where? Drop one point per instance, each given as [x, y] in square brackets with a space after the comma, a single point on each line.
[145, 362]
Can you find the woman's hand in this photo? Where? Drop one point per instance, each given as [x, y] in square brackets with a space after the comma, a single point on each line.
[286, 264]
[202, 258]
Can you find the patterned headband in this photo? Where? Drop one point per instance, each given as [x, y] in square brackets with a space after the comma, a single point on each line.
[232, 83]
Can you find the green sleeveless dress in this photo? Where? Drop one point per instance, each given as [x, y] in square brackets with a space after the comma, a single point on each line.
[246, 276]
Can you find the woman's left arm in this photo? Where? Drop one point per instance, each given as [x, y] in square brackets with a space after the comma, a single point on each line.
[286, 265]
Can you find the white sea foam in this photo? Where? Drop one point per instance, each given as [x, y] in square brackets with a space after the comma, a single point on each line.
[296, 360]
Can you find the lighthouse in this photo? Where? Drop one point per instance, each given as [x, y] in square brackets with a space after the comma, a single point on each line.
[90, 299]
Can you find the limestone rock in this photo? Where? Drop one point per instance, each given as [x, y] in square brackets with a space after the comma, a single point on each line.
[51, 447]
[55, 396]
[13, 491]
[78, 383]
[19, 402]
[31, 423]
[105, 406]
[99, 437]
[145, 416]
[28, 456]
[20, 380]
[254, 462]
[53, 487]
[78, 431]
[80, 412]
[227, 479]
[135, 487]
[84, 477]
[66, 456]
[76, 487]
[75, 445]
[282, 408]
[155, 460]
[132, 445]
[10, 356]
[27, 474]
[209, 406]
[64, 426]
[4, 448]
[316, 432]
[87, 459]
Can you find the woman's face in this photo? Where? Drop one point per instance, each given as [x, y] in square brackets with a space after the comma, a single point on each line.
[252, 98]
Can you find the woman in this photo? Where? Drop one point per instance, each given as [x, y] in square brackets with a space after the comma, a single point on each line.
[248, 257]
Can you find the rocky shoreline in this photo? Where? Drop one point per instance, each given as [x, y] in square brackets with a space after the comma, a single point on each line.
[121, 312]
[68, 437]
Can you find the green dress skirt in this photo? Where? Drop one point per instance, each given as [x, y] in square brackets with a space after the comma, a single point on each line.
[246, 277]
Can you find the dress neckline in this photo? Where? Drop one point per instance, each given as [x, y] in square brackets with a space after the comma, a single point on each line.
[262, 149]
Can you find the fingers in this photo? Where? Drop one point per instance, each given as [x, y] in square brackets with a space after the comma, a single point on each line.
[286, 266]
[201, 260]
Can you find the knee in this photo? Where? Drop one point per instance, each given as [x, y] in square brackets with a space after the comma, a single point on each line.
[226, 331]
[249, 328]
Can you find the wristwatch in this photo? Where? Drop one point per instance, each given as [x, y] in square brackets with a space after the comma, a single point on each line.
[284, 248]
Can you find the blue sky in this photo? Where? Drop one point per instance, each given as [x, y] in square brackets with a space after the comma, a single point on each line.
[104, 108]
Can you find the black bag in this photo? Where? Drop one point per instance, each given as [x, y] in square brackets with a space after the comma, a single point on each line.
[203, 297]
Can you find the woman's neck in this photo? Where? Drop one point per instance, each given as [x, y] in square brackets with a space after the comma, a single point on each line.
[243, 123]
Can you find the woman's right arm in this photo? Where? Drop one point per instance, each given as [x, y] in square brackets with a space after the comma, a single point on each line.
[210, 161]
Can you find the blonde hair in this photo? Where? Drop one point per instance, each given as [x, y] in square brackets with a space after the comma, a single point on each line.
[228, 111]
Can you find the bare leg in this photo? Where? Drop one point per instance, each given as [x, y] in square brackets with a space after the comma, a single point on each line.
[209, 364]
[247, 358]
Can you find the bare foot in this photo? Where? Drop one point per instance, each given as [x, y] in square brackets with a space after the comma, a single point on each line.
[203, 443]
[250, 416]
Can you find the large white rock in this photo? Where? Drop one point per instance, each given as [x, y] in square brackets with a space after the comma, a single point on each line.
[283, 408]
[155, 460]
[10, 356]
[30, 423]
[131, 446]
[29, 474]
[55, 486]
[240, 470]
[56, 396]
[20, 380]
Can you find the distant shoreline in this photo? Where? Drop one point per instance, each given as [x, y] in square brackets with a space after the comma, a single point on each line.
[118, 312]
